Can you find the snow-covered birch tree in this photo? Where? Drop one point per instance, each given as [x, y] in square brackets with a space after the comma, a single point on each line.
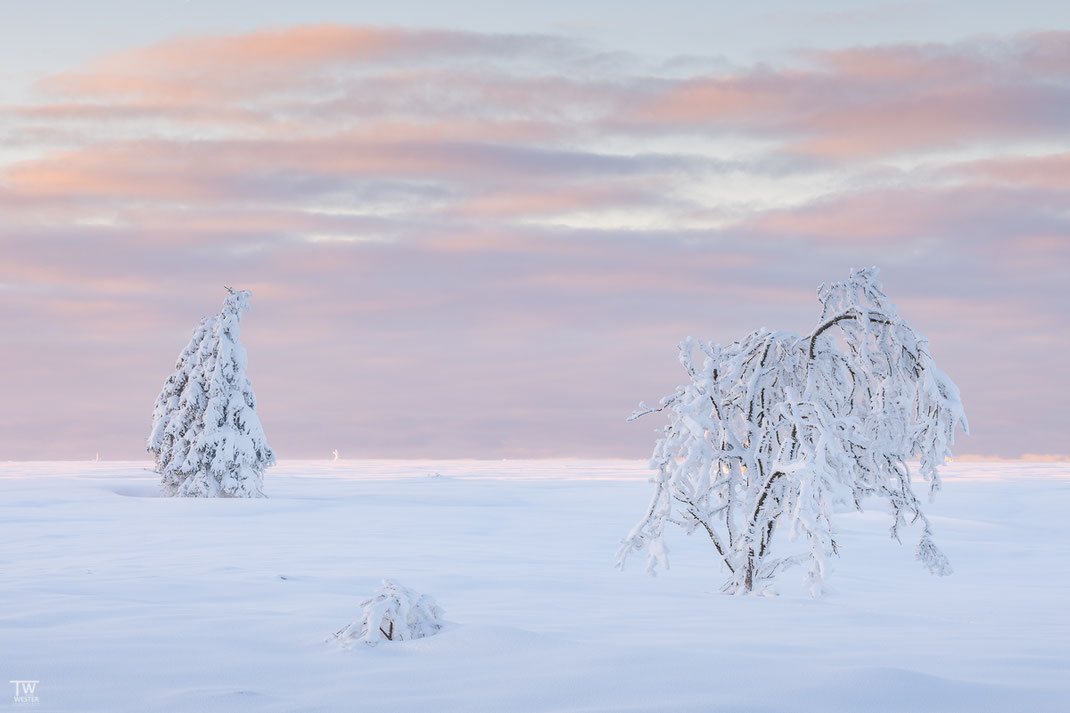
[775, 430]
[206, 435]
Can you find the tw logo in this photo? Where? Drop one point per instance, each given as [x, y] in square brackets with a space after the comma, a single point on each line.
[26, 691]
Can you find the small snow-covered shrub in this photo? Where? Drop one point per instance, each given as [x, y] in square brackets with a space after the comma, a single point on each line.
[395, 613]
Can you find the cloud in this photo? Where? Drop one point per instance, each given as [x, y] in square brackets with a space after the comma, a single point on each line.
[184, 171]
[237, 66]
[1025, 458]
[849, 104]
[489, 245]
[916, 215]
[1047, 172]
[862, 102]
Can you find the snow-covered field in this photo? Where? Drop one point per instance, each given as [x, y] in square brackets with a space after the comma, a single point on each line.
[115, 600]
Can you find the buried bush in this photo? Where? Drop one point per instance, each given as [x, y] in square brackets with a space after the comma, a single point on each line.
[395, 613]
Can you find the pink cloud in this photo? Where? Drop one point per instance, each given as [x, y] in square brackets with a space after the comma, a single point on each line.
[402, 205]
[1050, 172]
[126, 171]
[202, 68]
[1024, 458]
[847, 104]
[863, 102]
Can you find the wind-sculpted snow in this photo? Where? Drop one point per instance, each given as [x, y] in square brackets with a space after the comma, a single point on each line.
[118, 602]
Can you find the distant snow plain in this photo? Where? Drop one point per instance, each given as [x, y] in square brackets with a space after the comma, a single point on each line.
[116, 600]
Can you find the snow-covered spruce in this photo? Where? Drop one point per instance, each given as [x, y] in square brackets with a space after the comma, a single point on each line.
[176, 417]
[775, 430]
[206, 436]
[395, 613]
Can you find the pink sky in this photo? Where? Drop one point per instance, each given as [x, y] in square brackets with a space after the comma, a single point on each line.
[479, 244]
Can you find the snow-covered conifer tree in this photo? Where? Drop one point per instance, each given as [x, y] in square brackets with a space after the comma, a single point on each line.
[177, 409]
[775, 430]
[188, 422]
[212, 443]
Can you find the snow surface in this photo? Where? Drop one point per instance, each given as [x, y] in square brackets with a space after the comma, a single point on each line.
[119, 601]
